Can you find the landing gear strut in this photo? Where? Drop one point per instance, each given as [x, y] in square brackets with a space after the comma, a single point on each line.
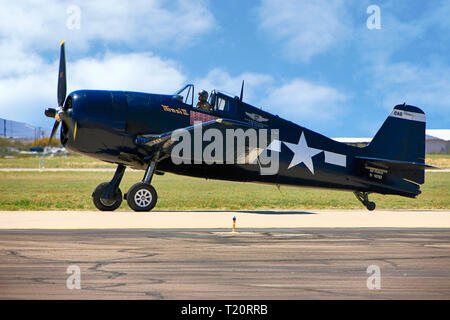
[142, 196]
[363, 197]
[108, 196]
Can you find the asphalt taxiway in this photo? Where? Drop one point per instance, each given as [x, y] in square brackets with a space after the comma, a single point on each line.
[319, 254]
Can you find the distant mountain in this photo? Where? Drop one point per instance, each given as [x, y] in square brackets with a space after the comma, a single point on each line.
[20, 130]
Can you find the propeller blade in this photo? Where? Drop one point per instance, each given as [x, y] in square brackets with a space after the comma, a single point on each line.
[58, 114]
[62, 84]
[55, 128]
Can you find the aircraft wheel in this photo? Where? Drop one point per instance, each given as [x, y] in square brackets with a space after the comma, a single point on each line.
[142, 197]
[371, 206]
[106, 204]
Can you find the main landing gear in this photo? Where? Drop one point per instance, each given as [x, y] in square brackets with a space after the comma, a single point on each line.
[140, 197]
[108, 196]
[364, 198]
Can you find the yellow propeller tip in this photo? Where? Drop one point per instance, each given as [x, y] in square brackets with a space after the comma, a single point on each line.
[62, 42]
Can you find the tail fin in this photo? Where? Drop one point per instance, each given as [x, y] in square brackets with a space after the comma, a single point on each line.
[401, 139]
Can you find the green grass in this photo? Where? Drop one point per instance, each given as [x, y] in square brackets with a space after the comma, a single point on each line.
[72, 191]
[70, 161]
[438, 160]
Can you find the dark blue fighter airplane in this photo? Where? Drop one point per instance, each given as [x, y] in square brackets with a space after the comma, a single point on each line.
[137, 129]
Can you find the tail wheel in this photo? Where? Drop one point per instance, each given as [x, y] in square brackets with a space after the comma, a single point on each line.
[363, 197]
[106, 204]
[371, 206]
[142, 197]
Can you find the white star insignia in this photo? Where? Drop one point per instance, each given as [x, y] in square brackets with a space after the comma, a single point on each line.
[302, 153]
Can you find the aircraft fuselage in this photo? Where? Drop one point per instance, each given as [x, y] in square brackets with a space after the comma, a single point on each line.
[108, 123]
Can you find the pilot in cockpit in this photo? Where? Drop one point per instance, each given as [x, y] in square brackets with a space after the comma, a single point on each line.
[202, 101]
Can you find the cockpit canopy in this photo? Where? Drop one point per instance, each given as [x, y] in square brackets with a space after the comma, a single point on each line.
[219, 101]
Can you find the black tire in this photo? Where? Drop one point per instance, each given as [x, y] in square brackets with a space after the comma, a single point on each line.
[371, 206]
[106, 205]
[142, 197]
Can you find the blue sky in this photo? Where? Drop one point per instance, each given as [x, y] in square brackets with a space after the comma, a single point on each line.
[313, 62]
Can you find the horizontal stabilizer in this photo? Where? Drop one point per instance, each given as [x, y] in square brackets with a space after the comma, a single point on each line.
[397, 164]
[408, 170]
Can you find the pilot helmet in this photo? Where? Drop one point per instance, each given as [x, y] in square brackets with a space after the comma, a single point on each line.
[203, 93]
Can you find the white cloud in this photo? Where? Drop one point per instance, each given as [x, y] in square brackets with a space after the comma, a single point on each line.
[30, 29]
[424, 86]
[308, 104]
[134, 72]
[305, 28]
[28, 94]
[41, 25]
[395, 73]
[16, 60]
[24, 97]
[255, 86]
[303, 102]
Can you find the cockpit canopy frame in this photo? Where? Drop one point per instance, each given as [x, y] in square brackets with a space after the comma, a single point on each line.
[219, 101]
[185, 94]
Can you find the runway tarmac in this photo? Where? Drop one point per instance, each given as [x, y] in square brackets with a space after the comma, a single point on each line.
[308, 259]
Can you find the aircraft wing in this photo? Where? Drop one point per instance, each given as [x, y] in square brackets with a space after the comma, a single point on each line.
[164, 144]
